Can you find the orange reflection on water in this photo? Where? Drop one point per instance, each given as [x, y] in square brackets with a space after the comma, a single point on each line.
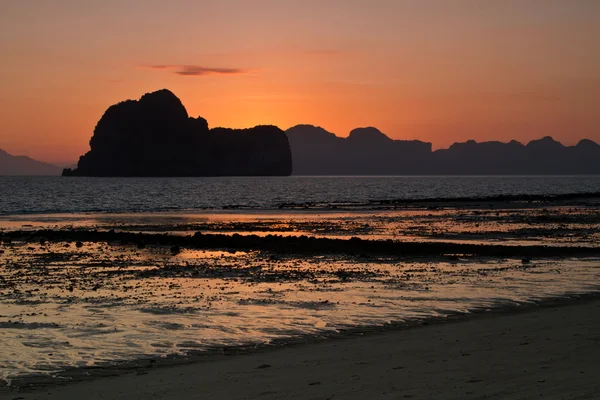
[63, 306]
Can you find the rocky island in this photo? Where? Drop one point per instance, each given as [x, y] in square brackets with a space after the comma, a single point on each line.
[154, 136]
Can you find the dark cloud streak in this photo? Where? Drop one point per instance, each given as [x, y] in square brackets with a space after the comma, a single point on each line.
[198, 70]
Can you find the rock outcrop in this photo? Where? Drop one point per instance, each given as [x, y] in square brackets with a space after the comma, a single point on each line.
[155, 136]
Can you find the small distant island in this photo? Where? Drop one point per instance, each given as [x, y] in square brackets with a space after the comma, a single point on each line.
[154, 136]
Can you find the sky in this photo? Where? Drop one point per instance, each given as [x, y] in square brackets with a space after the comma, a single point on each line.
[440, 71]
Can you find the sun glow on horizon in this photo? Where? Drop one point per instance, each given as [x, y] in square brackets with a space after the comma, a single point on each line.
[467, 70]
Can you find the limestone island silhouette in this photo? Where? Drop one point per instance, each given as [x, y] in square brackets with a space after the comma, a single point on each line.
[154, 136]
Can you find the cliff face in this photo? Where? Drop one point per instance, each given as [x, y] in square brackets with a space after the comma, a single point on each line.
[155, 136]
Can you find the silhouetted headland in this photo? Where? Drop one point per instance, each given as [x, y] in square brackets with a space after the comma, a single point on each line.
[154, 136]
[367, 151]
[22, 165]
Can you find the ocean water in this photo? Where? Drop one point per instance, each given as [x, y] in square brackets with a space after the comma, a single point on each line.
[23, 195]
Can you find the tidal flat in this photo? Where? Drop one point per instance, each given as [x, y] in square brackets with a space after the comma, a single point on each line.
[99, 292]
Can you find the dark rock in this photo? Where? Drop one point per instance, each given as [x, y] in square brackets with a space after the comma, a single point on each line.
[154, 136]
[286, 245]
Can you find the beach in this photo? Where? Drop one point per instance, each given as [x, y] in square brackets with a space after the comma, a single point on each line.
[548, 352]
[446, 298]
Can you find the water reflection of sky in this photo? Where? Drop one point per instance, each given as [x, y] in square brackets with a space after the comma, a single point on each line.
[557, 226]
[63, 306]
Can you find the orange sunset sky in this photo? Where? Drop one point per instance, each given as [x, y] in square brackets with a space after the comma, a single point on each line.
[435, 70]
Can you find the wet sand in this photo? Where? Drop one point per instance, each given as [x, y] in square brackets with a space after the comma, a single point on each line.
[547, 352]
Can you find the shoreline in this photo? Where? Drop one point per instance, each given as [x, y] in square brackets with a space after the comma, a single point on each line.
[128, 373]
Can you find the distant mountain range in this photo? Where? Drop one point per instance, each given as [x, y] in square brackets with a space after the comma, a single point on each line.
[22, 165]
[367, 151]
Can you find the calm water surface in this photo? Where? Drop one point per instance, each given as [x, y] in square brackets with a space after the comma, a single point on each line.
[19, 195]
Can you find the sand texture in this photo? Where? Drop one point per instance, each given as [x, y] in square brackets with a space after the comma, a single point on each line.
[545, 353]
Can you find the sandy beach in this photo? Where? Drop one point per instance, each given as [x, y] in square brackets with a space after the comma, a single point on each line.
[236, 305]
[544, 352]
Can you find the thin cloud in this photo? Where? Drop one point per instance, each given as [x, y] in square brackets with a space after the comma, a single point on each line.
[198, 70]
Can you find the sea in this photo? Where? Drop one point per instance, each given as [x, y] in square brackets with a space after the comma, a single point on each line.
[38, 195]
[70, 308]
